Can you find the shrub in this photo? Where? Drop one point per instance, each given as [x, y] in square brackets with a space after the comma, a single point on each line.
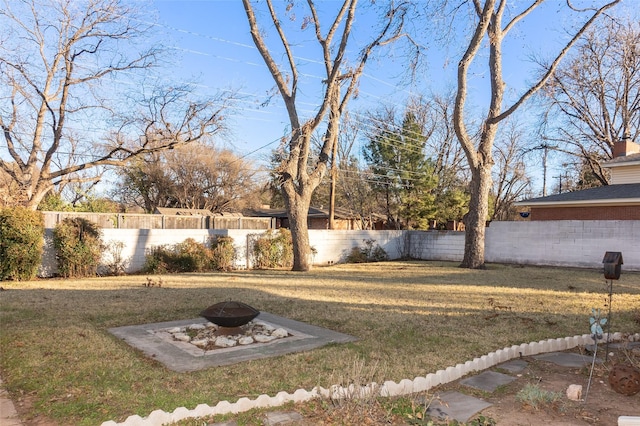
[158, 260]
[21, 243]
[223, 253]
[191, 256]
[370, 252]
[356, 255]
[78, 247]
[273, 250]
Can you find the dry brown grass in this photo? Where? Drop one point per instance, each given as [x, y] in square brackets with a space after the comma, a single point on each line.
[411, 318]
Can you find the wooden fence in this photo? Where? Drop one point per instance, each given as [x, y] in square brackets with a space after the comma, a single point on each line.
[161, 221]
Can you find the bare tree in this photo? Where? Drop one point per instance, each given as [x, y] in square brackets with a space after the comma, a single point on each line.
[59, 68]
[594, 100]
[478, 150]
[195, 176]
[511, 181]
[298, 180]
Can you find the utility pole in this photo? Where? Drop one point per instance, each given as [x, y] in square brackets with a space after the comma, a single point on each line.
[545, 147]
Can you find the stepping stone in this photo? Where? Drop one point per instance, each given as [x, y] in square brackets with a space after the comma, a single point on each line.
[456, 406]
[565, 359]
[514, 366]
[281, 418]
[487, 381]
[623, 345]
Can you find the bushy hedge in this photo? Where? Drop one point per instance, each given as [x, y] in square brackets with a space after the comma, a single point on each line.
[191, 256]
[78, 246]
[273, 250]
[21, 243]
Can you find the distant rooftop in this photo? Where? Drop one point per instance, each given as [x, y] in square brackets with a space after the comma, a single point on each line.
[609, 194]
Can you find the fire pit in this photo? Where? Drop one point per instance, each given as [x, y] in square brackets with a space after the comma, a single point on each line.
[230, 314]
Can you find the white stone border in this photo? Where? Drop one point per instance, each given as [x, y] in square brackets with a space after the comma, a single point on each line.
[389, 388]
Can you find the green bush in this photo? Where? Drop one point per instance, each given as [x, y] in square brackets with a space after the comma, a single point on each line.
[273, 250]
[21, 243]
[191, 256]
[78, 246]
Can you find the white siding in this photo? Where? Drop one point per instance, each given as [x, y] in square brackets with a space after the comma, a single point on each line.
[627, 174]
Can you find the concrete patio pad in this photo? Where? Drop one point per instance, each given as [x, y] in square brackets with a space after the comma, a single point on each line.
[183, 357]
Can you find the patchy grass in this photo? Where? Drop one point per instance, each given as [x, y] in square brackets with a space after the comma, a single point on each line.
[535, 397]
[411, 318]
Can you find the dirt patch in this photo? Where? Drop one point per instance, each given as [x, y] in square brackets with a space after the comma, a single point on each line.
[603, 405]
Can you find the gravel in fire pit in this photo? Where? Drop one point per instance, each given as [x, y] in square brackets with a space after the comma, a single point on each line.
[209, 336]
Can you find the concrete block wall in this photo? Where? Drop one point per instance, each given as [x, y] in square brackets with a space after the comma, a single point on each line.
[561, 243]
[436, 245]
[335, 246]
[571, 243]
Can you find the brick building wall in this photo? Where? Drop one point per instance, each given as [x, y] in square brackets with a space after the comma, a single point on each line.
[585, 213]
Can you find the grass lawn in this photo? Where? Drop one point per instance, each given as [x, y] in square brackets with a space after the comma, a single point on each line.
[411, 318]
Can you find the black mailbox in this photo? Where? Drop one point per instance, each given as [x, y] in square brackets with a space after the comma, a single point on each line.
[612, 265]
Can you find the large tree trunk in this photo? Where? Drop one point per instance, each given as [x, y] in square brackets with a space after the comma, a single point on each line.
[475, 221]
[298, 208]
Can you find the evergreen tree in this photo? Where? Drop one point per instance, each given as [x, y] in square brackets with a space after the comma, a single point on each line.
[402, 175]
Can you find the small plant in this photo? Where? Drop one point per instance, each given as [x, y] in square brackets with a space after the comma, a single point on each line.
[78, 246]
[413, 411]
[356, 393]
[115, 264]
[535, 397]
[153, 283]
[482, 421]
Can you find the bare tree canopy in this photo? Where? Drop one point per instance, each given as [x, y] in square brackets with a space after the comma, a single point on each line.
[195, 176]
[493, 22]
[297, 179]
[74, 97]
[511, 181]
[594, 99]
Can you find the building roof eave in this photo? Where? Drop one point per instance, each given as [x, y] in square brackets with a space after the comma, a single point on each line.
[581, 203]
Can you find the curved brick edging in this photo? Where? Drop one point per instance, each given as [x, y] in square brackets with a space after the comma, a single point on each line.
[389, 388]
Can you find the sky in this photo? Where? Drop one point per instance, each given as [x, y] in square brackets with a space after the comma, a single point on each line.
[210, 42]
